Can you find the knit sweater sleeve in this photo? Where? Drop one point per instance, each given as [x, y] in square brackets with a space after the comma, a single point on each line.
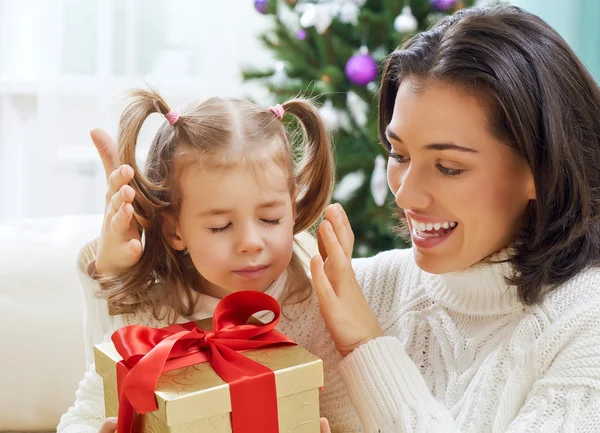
[87, 413]
[390, 394]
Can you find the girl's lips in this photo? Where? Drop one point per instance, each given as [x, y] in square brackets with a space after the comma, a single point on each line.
[250, 272]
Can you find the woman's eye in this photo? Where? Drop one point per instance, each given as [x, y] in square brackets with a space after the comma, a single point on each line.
[396, 156]
[449, 171]
[220, 229]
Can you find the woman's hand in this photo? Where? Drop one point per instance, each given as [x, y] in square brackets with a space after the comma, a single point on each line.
[119, 245]
[341, 301]
[109, 425]
[325, 426]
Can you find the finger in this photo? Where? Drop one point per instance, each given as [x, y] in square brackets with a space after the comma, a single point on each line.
[121, 220]
[322, 249]
[341, 226]
[323, 289]
[124, 195]
[135, 246]
[118, 178]
[132, 251]
[335, 253]
[108, 426]
[324, 424]
[106, 149]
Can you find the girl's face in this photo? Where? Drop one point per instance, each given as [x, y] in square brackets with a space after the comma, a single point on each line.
[237, 228]
[463, 192]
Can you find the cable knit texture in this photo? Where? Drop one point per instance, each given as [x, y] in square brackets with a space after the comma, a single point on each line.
[460, 353]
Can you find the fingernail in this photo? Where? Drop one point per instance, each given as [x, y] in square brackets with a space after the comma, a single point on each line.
[122, 192]
[124, 171]
[112, 419]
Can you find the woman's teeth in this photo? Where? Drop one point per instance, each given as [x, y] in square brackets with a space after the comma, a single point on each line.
[427, 227]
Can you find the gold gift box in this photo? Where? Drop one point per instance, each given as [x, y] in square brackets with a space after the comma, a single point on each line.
[195, 399]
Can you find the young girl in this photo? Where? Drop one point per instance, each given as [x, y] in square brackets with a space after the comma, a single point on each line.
[223, 194]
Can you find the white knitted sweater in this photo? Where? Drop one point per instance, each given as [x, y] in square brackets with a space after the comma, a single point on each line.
[460, 354]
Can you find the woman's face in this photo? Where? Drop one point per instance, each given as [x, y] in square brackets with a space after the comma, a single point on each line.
[464, 192]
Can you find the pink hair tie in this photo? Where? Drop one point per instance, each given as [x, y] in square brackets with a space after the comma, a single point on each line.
[172, 116]
[278, 111]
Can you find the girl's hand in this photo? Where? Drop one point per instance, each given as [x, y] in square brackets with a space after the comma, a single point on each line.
[325, 426]
[108, 426]
[341, 301]
[119, 245]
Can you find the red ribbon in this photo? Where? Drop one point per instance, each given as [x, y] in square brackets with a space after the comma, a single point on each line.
[147, 352]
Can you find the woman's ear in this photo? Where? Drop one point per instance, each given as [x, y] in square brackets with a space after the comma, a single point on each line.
[172, 233]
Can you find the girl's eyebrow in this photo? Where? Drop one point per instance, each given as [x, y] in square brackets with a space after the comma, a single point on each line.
[273, 203]
[265, 205]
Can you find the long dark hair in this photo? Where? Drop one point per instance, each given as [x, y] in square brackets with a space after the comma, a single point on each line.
[541, 101]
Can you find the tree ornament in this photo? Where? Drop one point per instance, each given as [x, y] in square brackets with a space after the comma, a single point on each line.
[331, 116]
[318, 16]
[406, 21]
[443, 5]
[348, 13]
[361, 68]
[348, 185]
[261, 6]
[301, 34]
[379, 186]
[358, 108]
[279, 77]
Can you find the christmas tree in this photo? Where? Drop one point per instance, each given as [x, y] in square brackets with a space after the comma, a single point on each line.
[334, 50]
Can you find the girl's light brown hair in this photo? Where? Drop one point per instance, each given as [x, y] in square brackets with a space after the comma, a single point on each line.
[217, 133]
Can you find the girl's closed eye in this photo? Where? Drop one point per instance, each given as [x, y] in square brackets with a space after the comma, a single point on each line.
[273, 222]
[220, 229]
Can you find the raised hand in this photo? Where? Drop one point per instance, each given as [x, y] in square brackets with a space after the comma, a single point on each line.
[119, 246]
[341, 301]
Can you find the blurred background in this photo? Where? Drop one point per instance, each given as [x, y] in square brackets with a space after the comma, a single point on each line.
[64, 62]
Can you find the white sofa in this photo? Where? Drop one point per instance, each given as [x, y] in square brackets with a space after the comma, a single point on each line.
[41, 318]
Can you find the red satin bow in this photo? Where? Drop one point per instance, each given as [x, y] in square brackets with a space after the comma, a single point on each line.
[147, 352]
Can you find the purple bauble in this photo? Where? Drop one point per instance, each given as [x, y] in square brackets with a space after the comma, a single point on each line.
[261, 5]
[443, 5]
[361, 69]
[301, 34]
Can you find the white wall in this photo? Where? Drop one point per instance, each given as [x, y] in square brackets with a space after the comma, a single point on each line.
[63, 62]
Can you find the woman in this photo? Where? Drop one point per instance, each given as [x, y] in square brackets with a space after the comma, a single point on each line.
[490, 321]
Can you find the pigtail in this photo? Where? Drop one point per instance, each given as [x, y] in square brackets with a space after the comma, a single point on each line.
[154, 201]
[313, 178]
[148, 197]
[314, 171]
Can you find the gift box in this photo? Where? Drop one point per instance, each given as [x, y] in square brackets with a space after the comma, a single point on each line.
[194, 398]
